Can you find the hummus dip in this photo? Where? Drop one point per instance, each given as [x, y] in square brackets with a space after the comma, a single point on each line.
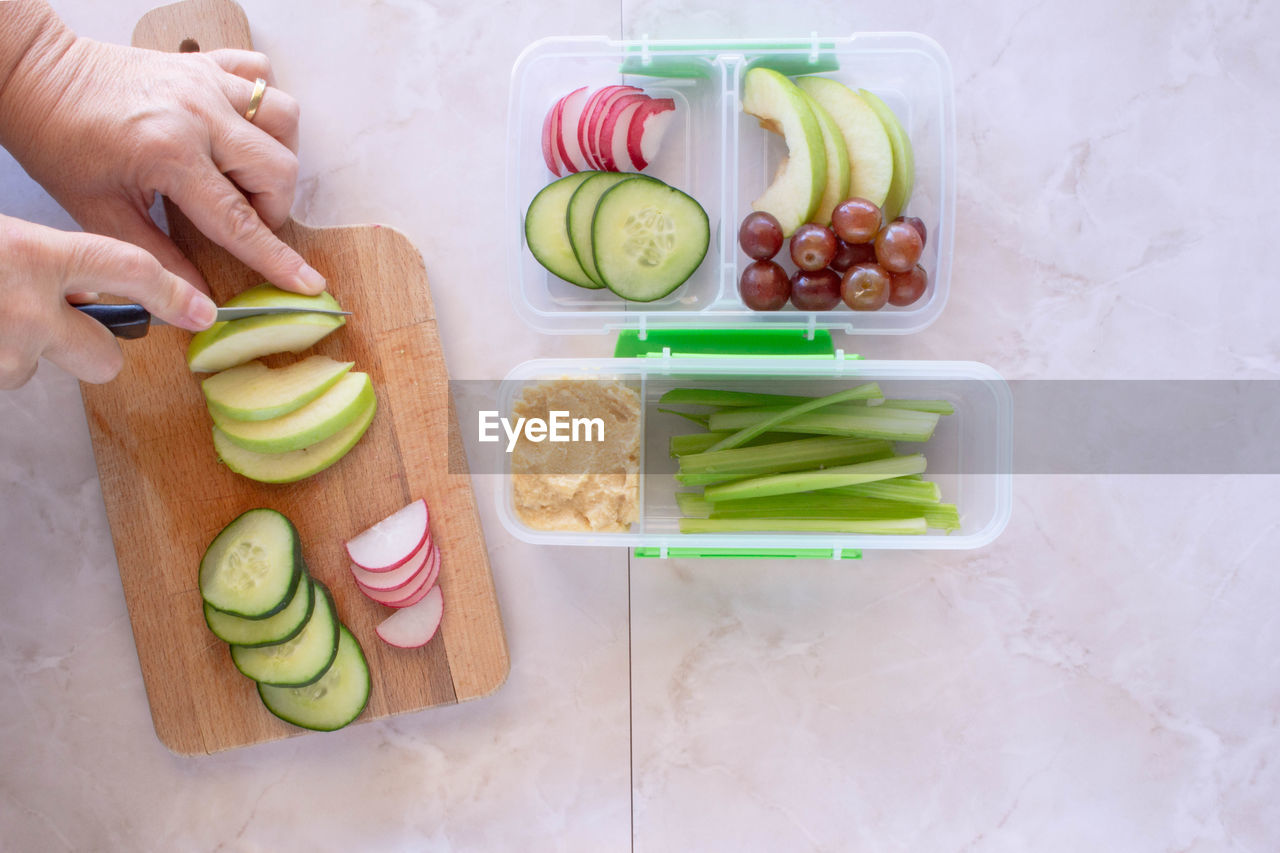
[591, 484]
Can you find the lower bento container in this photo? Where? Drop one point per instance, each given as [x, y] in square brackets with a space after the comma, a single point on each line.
[723, 159]
[969, 456]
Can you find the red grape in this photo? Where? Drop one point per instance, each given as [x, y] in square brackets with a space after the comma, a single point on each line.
[918, 224]
[906, 287]
[865, 287]
[856, 220]
[812, 247]
[815, 291]
[760, 235]
[849, 254]
[898, 247]
[764, 286]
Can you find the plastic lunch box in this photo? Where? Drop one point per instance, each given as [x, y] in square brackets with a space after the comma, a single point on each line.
[702, 333]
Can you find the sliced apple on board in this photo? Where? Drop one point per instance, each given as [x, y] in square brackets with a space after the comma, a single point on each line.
[311, 424]
[254, 392]
[798, 186]
[872, 165]
[234, 342]
[904, 164]
[837, 187]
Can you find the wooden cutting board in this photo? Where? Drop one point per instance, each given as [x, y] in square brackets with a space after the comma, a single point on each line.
[167, 495]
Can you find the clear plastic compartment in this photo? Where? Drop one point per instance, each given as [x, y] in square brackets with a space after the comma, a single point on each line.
[721, 157]
[969, 456]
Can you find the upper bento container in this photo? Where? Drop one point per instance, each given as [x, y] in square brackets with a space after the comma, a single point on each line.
[724, 159]
[970, 455]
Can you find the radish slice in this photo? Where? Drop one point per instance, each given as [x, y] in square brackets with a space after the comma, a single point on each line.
[555, 131]
[391, 542]
[589, 124]
[616, 128]
[566, 137]
[597, 140]
[421, 582]
[414, 626]
[648, 125]
[396, 578]
[584, 122]
[548, 148]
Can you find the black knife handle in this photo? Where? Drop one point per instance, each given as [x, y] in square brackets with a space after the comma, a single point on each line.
[124, 321]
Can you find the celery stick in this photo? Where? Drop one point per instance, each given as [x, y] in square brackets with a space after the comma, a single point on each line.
[903, 489]
[749, 431]
[828, 478]
[880, 526]
[712, 397]
[683, 445]
[938, 407]
[867, 422]
[697, 419]
[693, 504]
[715, 466]
[823, 505]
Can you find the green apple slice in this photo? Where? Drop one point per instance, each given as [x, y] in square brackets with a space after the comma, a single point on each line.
[234, 342]
[838, 173]
[797, 188]
[904, 161]
[296, 464]
[309, 425]
[872, 165]
[255, 392]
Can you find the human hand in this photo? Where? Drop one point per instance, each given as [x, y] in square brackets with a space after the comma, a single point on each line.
[104, 127]
[40, 267]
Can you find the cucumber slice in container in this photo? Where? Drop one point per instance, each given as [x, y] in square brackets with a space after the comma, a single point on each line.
[280, 628]
[252, 568]
[333, 701]
[582, 212]
[301, 660]
[648, 238]
[546, 230]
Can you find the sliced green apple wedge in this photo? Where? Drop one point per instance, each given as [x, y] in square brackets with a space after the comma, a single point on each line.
[295, 464]
[872, 165]
[837, 188]
[309, 425]
[904, 161]
[255, 392]
[234, 342]
[797, 188]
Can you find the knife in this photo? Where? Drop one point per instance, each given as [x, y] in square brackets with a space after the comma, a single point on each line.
[132, 321]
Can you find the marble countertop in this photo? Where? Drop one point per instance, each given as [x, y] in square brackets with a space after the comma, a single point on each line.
[1106, 675]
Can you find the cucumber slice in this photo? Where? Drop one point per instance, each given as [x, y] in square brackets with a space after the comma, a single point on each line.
[253, 566]
[649, 238]
[280, 628]
[311, 424]
[547, 233]
[330, 703]
[295, 464]
[582, 210]
[255, 392]
[234, 342]
[301, 660]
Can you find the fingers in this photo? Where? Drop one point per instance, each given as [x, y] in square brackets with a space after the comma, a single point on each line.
[224, 215]
[262, 167]
[277, 114]
[84, 347]
[248, 64]
[112, 266]
[121, 220]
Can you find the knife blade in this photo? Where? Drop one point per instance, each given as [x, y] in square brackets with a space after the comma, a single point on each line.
[131, 321]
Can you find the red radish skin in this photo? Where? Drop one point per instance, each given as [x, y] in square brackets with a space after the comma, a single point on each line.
[648, 125]
[598, 113]
[548, 145]
[396, 578]
[413, 627]
[586, 118]
[393, 541]
[421, 582]
[555, 132]
[433, 574]
[614, 130]
[566, 137]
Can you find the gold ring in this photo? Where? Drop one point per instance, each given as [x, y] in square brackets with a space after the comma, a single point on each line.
[255, 100]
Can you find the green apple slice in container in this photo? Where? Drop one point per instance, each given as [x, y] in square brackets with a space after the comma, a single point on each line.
[794, 194]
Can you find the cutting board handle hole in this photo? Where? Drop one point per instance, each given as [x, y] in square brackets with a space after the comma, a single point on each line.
[189, 46]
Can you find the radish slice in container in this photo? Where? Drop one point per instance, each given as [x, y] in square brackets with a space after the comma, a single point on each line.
[615, 129]
[584, 122]
[391, 542]
[566, 138]
[596, 138]
[592, 120]
[548, 144]
[648, 125]
[414, 626]
[395, 578]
